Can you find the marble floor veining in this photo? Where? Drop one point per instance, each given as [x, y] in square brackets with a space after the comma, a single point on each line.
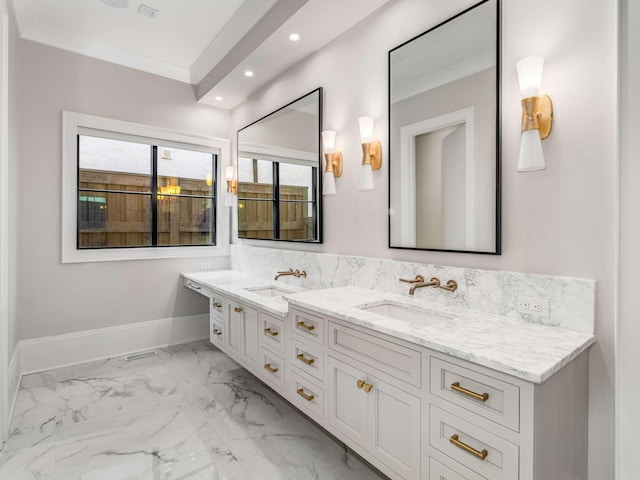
[188, 413]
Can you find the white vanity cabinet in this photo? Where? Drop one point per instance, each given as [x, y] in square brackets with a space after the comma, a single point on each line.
[379, 417]
[242, 333]
[412, 412]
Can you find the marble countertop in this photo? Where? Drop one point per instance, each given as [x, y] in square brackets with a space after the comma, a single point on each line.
[237, 286]
[525, 350]
[516, 347]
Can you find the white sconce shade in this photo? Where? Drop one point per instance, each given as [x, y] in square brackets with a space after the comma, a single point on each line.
[228, 199]
[366, 129]
[530, 75]
[329, 184]
[329, 140]
[537, 114]
[366, 177]
[531, 156]
[229, 172]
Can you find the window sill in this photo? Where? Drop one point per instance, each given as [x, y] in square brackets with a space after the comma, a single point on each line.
[151, 253]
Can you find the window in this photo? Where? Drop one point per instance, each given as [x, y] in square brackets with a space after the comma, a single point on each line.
[276, 199]
[134, 190]
[134, 194]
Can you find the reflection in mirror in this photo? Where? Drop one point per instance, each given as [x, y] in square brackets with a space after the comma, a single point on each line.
[443, 118]
[278, 179]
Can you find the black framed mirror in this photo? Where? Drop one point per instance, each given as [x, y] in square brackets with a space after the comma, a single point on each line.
[279, 180]
[444, 136]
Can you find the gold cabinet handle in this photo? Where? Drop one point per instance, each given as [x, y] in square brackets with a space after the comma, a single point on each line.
[193, 286]
[483, 397]
[216, 332]
[308, 328]
[217, 305]
[362, 384]
[308, 361]
[481, 454]
[308, 398]
[237, 309]
[268, 331]
[268, 366]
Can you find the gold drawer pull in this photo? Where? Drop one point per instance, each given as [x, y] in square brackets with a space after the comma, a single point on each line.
[217, 305]
[268, 331]
[308, 328]
[268, 366]
[476, 453]
[308, 398]
[216, 332]
[308, 361]
[193, 286]
[237, 309]
[360, 383]
[483, 397]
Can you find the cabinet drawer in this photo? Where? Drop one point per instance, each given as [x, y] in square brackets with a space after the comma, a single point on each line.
[500, 460]
[216, 333]
[399, 361]
[309, 359]
[271, 369]
[196, 287]
[438, 471]
[308, 326]
[464, 387]
[216, 307]
[272, 331]
[307, 396]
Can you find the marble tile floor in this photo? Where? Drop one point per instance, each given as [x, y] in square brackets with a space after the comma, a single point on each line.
[188, 413]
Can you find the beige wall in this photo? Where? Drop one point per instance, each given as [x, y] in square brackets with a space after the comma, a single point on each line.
[558, 221]
[54, 298]
[628, 387]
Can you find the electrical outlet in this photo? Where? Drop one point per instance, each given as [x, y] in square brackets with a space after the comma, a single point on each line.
[533, 306]
[205, 266]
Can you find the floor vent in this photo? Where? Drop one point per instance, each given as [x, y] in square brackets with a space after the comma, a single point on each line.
[138, 356]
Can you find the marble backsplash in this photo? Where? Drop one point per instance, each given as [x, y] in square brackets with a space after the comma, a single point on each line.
[571, 300]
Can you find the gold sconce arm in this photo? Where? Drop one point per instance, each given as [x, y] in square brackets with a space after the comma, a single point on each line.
[232, 186]
[333, 163]
[372, 154]
[537, 114]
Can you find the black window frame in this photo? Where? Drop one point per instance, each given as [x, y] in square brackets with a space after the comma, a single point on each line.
[154, 148]
[276, 201]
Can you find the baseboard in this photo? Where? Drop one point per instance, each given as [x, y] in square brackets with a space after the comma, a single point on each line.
[46, 353]
[14, 378]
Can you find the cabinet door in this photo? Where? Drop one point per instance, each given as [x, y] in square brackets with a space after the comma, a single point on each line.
[348, 401]
[235, 327]
[394, 427]
[250, 337]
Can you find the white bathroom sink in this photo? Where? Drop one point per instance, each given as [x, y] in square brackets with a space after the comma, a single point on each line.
[269, 291]
[406, 314]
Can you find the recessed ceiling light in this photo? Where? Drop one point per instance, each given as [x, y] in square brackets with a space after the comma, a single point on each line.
[219, 98]
[294, 37]
[248, 73]
[116, 3]
[147, 11]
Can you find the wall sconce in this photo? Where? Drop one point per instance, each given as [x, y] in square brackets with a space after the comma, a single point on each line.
[332, 163]
[209, 179]
[232, 185]
[537, 114]
[371, 153]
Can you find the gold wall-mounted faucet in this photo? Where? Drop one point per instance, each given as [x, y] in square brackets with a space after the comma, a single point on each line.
[419, 282]
[296, 273]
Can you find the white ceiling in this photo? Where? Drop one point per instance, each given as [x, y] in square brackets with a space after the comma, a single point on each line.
[207, 43]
